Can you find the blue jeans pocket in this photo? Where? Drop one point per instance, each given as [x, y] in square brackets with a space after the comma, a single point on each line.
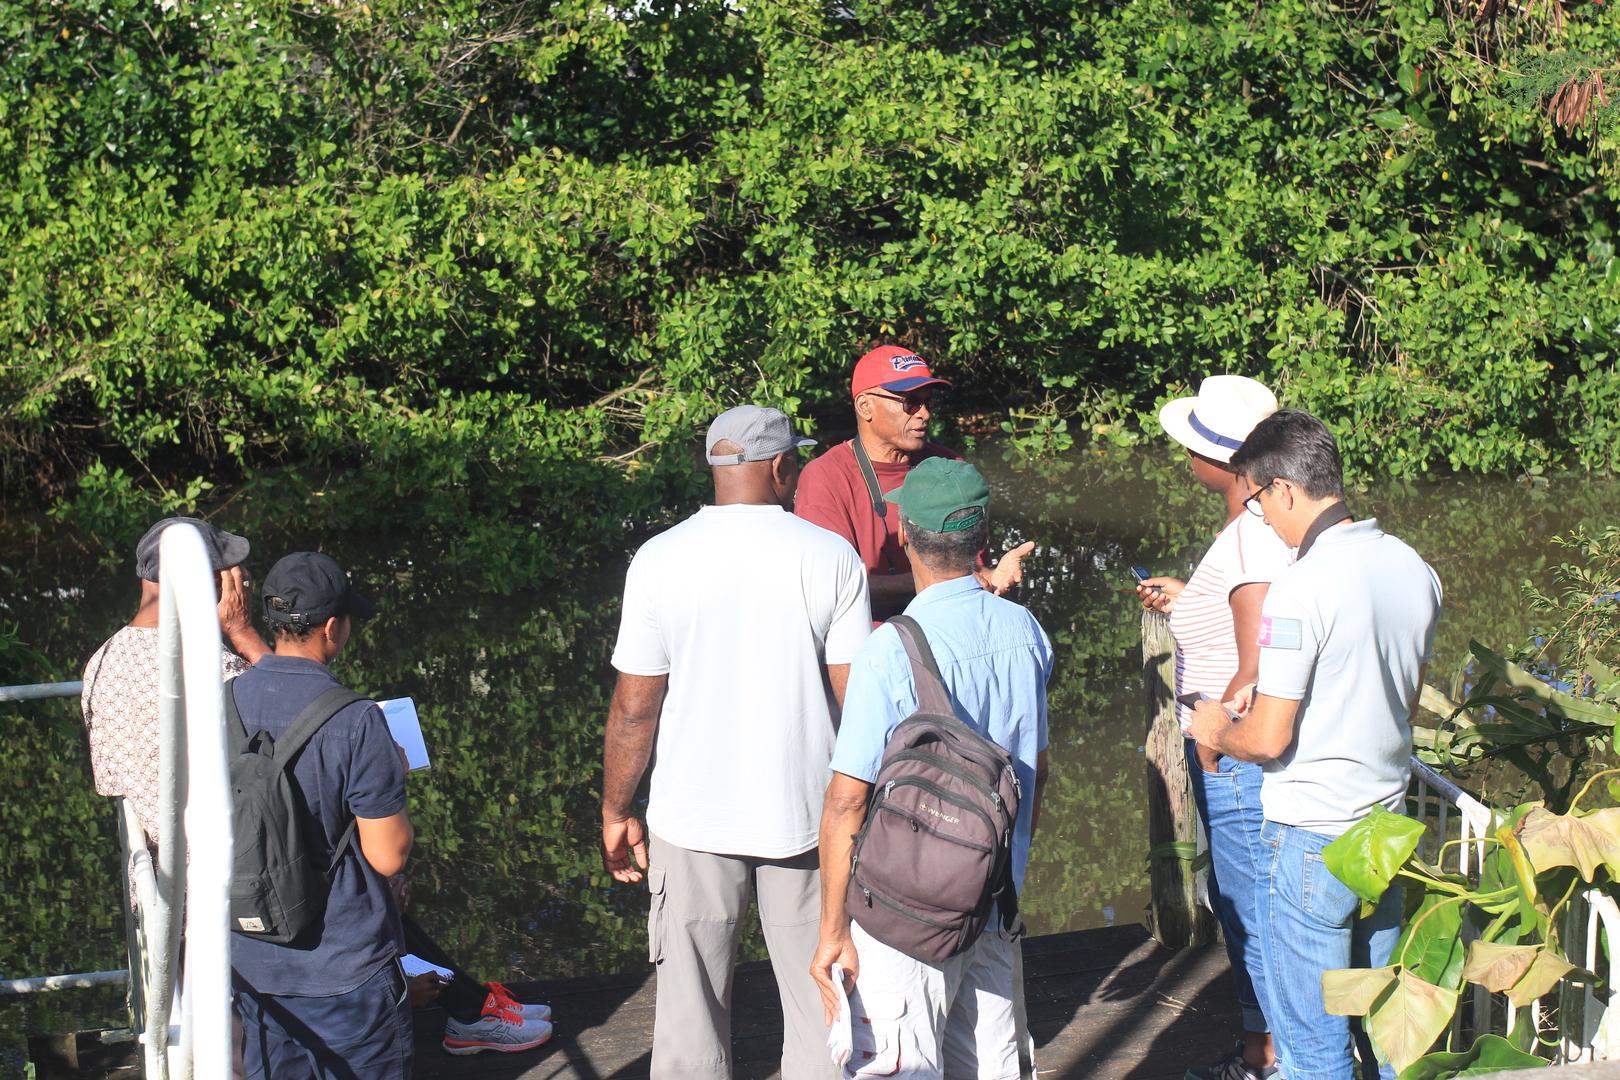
[1323, 896]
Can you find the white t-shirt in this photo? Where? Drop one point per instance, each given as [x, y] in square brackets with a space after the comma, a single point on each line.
[742, 606]
[1246, 551]
[1345, 632]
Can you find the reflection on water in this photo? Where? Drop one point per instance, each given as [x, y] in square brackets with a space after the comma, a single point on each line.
[513, 687]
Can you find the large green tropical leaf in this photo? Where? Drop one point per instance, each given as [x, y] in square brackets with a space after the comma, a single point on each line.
[1367, 856]
[1557, 702]
[1431, 946]
[1490, 1053]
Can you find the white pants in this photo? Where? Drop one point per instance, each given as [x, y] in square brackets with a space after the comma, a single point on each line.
[958, 1020]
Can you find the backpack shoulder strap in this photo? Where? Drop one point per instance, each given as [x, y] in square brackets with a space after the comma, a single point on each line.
[314, 717]
[236, 736]
[869, 474]
[931, 692]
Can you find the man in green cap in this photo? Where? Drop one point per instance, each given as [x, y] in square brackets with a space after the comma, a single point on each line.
[964, 1017]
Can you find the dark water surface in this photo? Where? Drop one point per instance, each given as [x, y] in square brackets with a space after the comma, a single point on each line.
[513, 687]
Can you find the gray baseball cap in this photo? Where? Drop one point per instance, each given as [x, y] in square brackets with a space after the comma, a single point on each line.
[758, 432]
[225, 549]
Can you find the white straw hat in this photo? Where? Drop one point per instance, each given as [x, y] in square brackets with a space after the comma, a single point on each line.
[1216, 422]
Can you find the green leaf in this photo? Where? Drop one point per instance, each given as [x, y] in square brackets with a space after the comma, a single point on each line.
[1367, 856]
[1431, 946]
[1405, 1022]
[1490, 1053]
[1557, 702]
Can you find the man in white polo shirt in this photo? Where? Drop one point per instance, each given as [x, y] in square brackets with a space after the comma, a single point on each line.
[1346, 634]
[734, 647]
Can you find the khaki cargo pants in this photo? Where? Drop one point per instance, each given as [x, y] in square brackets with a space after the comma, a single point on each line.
[698, 904]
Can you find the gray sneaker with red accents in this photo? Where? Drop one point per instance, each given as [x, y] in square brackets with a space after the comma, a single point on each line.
[1233, 1067]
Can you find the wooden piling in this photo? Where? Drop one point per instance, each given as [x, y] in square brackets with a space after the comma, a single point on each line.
[1175, 918]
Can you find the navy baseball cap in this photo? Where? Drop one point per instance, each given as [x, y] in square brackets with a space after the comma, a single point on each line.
[306, 588]
[225, 549]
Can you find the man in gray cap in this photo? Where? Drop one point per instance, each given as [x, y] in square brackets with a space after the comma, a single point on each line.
[737, 631]
[120, 696]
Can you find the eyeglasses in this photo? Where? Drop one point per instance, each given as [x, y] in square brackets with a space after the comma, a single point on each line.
[1252, 503]
[911, 403]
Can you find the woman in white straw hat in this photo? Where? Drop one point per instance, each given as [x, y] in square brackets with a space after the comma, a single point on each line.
[1215, 619]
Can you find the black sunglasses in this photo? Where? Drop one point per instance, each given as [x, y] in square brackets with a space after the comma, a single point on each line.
[911, 403]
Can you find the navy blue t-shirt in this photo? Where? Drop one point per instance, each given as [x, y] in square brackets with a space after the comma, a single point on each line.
[349, 769]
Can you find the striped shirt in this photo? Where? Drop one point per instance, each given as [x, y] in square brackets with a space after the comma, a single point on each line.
[1246, 551]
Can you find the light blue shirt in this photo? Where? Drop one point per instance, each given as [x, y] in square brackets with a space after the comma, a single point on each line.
[996, 660]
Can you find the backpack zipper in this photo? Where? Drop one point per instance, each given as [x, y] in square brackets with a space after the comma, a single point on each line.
[900, 909]
[962, 774]
[918, 824]
[946, 796]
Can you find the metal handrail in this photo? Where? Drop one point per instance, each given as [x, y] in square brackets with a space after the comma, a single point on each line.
[75, 980]
[191, 714]
[40, 691]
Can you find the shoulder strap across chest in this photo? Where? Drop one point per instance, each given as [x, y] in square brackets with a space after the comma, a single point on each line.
[869, 474]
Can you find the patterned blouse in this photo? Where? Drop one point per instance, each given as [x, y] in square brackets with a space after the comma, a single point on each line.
[120, 702]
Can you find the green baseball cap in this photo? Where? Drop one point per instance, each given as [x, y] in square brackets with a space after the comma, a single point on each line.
[938, 488]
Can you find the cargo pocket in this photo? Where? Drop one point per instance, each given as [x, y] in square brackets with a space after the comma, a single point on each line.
[874, 1034]
[655, 914]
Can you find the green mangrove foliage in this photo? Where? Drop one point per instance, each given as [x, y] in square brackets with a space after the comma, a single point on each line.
[498, 255]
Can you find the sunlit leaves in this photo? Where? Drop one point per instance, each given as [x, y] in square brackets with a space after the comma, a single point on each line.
[1369, 853]
[1352, 991]
[1523, 972]
[1586, 842]
[1406, 1022]
[1405, 1014]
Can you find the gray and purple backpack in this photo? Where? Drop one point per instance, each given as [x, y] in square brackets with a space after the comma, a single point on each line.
[934, 858]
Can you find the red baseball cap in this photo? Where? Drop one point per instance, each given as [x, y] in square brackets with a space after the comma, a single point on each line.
[892, 368]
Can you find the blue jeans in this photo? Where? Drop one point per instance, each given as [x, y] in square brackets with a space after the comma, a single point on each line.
[1308, 925]
[1229, 802]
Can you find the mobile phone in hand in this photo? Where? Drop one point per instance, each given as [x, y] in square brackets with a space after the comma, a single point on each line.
[1190, 700]
[1141, 575]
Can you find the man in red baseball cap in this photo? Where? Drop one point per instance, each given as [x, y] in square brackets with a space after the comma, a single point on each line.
[843, 489]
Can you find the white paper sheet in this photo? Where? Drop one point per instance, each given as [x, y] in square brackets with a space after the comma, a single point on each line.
[406, 728]
[414, 965]
[840, 1036]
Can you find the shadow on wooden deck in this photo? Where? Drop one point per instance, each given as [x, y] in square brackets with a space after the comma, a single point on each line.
[1103, 1005]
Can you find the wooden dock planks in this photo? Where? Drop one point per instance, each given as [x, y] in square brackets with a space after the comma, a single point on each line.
[1107, 1004]
[1104, 1004]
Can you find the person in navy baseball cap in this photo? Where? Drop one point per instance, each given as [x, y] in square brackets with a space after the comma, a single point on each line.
[895, 394]
[306, 588]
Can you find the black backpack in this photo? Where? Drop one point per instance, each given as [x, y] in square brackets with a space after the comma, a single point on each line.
[277, 890]
[935, 853]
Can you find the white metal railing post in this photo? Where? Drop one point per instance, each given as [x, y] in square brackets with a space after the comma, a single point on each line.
[194, 895]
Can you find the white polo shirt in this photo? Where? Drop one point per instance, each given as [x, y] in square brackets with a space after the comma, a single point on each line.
[742, 606]
[1345, 631]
